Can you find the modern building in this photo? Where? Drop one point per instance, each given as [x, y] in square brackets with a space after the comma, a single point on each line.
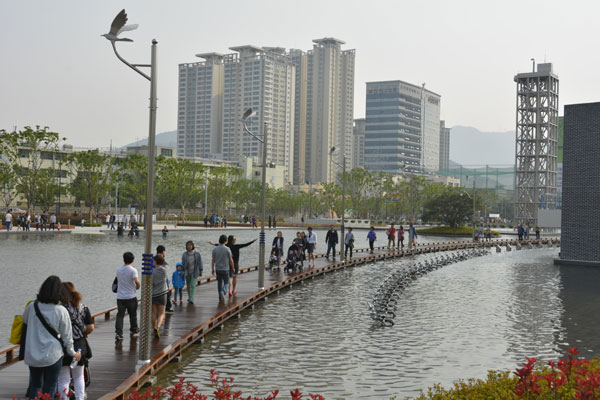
[215, 93]
[537, 143]
[444, 146]
[358, 143]
[200, 112]
[581, 192]
[164, 151]
[325, 109]
[559, 158]
[402, 129]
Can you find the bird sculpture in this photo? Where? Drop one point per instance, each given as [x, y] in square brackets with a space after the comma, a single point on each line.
[118, 26]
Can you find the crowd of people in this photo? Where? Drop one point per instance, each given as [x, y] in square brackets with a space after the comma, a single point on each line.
[22, 221]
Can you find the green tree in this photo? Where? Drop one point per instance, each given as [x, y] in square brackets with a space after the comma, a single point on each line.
[221, 184]
[93, 176]
[25, 151]
[133, 184]
[47, 189]
[8, 183]
[357, 184]
[330, 195]
[452, 206]
[182, 179]
[247, 194]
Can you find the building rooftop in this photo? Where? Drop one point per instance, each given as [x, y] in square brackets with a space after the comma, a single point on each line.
[210, 56]
[543, 69]
[247, 48]
[404, 83]
[328, 40]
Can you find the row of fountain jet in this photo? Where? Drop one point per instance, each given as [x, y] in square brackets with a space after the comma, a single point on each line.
[384, 304]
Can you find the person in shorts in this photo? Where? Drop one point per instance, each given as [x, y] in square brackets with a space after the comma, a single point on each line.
[159, 293]
[311, 239]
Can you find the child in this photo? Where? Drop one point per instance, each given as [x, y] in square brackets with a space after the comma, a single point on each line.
[82, 222]
[165, 232]
[178, 280]
[274, 260]
[58, 226]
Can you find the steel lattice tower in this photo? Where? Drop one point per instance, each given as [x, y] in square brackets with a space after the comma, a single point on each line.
[537, 143]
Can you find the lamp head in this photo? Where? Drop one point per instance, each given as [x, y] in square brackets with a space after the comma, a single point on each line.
[332, 150]
[248, 114]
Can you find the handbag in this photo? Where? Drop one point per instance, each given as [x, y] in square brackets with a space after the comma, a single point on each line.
[115, 285]
[50, 329]
[88, 353]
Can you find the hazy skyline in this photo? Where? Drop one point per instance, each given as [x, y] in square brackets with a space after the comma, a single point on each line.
[58, 71]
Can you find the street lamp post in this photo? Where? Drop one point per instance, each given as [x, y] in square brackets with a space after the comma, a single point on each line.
[118, 26]
[343, 241]
[263, 198]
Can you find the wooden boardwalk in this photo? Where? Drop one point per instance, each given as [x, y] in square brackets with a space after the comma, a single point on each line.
[113, 366]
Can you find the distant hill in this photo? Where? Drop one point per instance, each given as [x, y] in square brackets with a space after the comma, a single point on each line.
[168, 139]
[470, 146]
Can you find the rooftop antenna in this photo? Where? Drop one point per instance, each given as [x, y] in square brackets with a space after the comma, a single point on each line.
[533, 61]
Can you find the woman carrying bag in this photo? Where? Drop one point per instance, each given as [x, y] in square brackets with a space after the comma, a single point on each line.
[49, 337]
[82, 325]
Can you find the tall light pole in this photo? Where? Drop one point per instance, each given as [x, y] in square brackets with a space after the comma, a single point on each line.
[263, 198]
[343, 241]
[118, 26]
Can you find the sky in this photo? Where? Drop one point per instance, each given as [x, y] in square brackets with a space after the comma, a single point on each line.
[56, 70]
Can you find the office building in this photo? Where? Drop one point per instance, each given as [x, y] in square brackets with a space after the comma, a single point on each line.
[537, 143]
[444, 146]
[215, 93]
[358, 143]
[402, 130]
[325, 108]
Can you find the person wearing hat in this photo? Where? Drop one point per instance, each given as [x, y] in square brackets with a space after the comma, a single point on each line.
[178, 280]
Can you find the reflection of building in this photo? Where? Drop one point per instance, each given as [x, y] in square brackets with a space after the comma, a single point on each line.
[444, 146]
[402, 132]
[358, 143]
[581, 193]
[537, 145]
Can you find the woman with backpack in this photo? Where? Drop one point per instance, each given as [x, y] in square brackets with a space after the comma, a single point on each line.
[48, 338]
[82, 325]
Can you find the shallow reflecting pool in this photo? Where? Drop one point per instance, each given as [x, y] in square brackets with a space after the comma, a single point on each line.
[456, 322]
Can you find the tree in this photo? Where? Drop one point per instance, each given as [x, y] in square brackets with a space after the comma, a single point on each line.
[357, 183]
[93, 172]
[8, 183]
[47, 189]
[25, 150]
[134, 180]
[221, 183]
[452, 207]
[247, 194]
[330, 195]
[182, 179]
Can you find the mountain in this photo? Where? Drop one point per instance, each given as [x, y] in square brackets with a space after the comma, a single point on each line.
[168, 139]
[470, 146]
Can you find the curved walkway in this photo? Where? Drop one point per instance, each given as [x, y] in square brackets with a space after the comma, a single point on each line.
[113, 365]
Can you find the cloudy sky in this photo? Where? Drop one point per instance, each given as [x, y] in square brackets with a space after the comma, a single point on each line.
[56, 70]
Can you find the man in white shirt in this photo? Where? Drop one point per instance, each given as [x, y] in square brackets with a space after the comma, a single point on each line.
[311, 239]
[127, 285]
[8, 219]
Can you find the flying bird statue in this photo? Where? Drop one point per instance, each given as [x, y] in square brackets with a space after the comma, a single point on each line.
[118, 26]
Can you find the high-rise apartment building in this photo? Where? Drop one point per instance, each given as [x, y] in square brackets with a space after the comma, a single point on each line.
[402, 131]
[200, 113]
[325, 105]
[358, 143]
[210, 110]
[444, 146]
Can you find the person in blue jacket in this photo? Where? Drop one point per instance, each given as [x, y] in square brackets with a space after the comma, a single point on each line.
[178, 280]
[372, 237]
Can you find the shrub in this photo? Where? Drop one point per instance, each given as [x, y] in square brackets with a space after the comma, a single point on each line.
[446, 230]
[569, 378]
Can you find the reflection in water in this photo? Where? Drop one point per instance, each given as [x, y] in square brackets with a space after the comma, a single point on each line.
[456, 322]
[580, 296]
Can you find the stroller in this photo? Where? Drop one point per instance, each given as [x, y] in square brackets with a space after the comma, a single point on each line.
[294, 259]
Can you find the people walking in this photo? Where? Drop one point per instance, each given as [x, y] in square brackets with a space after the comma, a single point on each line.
[45, 221]
[349, 242]
[38, 220]
[82, 325]
[8, 220]
[269, 222]
[159, 293]
[48, 332]
[127, 285]
[165, 232]
[538, 231]
[391, 234]
[414, 234]
[372, 237]
[277, 247]
[112, 221]
[311, 245]
[160, 249]
[222, 265]
[331, 239]
[178, 280]
[274, 222]
[400, 233]
[52, 221]
[192, 265]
